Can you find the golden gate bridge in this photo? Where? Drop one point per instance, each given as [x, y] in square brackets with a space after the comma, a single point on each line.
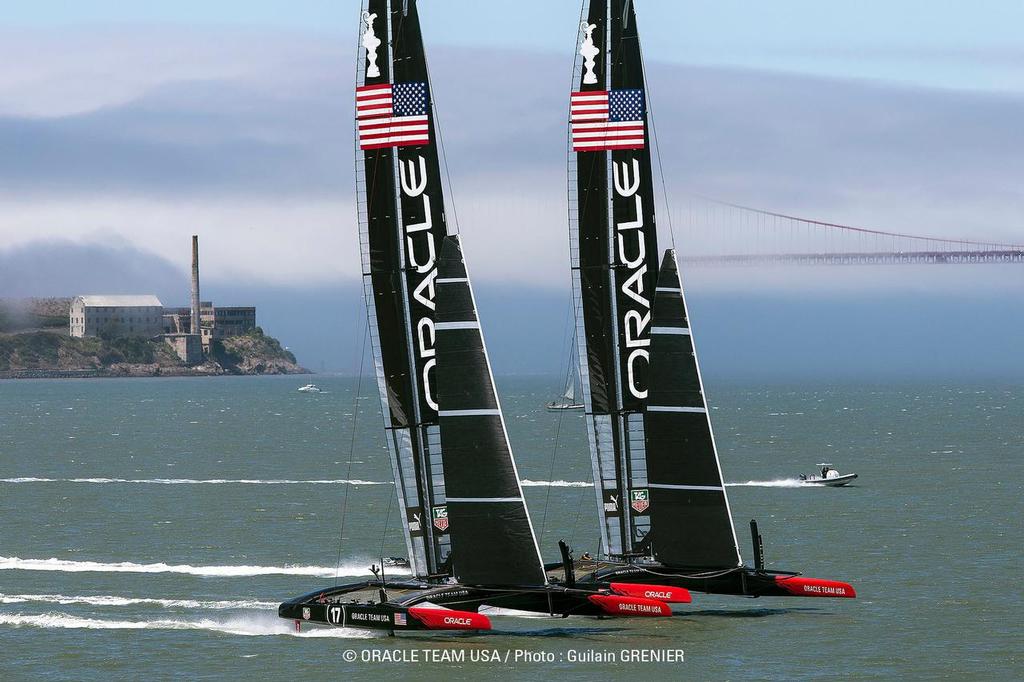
[719, 233]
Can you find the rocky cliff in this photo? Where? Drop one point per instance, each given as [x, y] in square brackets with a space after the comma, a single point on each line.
[50, 354]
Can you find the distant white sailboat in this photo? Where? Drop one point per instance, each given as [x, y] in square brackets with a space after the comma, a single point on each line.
[568, 401]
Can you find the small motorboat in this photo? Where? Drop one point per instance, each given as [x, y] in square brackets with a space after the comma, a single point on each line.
[395, 562]
[309, 388]
[829, 476]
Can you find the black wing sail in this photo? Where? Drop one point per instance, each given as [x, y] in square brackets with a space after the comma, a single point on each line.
[691, 525]
[613, 240]
[492, 538]
[401, 224]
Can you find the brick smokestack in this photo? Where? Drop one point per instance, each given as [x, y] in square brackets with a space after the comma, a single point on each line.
[195, 284]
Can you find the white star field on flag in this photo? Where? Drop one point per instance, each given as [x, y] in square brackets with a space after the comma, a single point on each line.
[392, 115]
[603, 120]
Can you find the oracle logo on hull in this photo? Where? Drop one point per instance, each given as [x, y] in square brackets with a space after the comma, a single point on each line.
[662, 593]
[421, 257]
[631, 251]
[435, 618]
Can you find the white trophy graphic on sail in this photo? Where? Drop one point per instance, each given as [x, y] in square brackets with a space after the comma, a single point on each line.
[371, 42]
[588, 51]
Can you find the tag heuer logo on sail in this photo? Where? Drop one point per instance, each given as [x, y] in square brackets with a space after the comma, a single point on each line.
[441, 518]
[640, 500]
[305, 613]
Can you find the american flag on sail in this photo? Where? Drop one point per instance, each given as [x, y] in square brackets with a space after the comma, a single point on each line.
[392, 115]
[612, 119]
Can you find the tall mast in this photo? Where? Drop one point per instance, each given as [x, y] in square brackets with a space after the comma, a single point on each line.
[401, 225]
[589, 249]
[614, 243]
[635, 258]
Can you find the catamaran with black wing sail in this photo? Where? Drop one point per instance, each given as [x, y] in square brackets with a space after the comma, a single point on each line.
[662, 504]
[465, 522]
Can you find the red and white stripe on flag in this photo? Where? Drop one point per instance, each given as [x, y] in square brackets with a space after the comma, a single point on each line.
[379, 127]
[592, 131]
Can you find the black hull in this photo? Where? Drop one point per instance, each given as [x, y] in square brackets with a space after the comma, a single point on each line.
[363, 605]
[372, 617]
[400, 606]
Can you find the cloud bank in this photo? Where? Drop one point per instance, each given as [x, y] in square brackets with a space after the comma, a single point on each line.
[245, 137]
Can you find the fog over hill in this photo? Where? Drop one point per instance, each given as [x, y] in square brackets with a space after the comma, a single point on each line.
[774, 335]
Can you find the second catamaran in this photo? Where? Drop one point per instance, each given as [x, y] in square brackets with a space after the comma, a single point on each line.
[662, 503]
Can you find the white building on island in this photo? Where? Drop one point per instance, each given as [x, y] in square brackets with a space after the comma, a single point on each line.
[117, 315]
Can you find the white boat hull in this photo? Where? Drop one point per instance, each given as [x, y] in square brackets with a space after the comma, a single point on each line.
[834, 482]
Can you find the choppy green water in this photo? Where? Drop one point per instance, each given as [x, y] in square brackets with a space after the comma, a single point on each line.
[149, 527]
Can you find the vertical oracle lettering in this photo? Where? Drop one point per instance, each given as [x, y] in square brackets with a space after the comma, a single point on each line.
[421, 256]
[633, 255]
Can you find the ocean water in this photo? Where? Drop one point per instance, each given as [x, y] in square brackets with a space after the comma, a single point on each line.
[149, 527]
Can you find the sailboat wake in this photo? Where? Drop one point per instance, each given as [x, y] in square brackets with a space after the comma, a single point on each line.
[196, 481]
[254, 625]
[352, 568]
[113, 600]
[777, 483]
[527, 483]
[257, 481]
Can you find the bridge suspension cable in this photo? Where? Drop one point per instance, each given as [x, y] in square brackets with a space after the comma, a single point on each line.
[864, 230]
[723, 232]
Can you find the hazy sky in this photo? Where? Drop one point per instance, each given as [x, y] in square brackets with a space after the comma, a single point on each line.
[127, 127]
[935, 42]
